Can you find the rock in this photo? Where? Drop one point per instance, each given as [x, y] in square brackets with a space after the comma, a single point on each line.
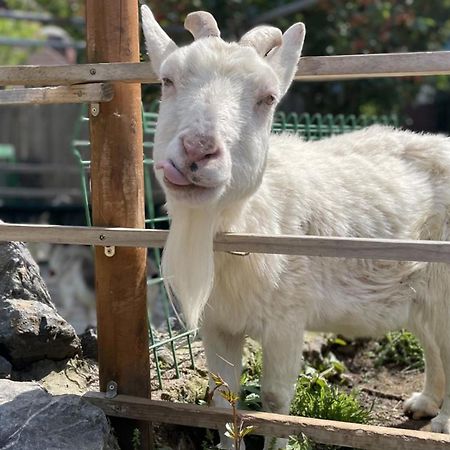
[19, 274]
[30, 327]
[89, 343]
[5, 368]
[32, 419]
[314, 347]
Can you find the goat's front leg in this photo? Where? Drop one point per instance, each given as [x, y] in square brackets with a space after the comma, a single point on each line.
[282, 358]
[224, 357]
[441, 423]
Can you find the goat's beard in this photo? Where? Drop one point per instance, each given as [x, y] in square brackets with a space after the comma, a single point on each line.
[188, 260]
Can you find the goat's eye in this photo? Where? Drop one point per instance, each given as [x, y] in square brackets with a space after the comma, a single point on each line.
[167, 82]
[269, 100]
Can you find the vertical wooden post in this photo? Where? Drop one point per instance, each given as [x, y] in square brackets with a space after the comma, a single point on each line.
[118, 200]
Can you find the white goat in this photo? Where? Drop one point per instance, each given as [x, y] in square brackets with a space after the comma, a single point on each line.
[222, 170]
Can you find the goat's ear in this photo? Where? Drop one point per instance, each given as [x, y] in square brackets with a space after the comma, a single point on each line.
[159, 45]
[284, 59]
[262, 39]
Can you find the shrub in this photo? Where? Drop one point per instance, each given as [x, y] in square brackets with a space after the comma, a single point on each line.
[399, 349]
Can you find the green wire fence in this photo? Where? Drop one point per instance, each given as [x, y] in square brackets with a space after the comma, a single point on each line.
[310, 127]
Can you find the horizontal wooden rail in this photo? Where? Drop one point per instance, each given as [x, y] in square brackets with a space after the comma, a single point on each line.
[32, 193]
[83, 93]
[313, 68]
[391, 249]
[37, 168]
[367, 437]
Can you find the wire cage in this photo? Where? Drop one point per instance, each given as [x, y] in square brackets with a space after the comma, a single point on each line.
[308, 126]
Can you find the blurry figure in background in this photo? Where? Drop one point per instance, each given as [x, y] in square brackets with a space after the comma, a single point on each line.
[70, 279]
[59, 50]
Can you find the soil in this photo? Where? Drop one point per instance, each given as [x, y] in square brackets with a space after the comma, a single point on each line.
[381, 389]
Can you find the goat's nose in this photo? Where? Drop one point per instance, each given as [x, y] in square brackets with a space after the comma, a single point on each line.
[199, 147]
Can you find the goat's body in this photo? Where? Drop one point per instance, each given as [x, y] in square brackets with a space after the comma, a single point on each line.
[375, 183]
[222, 171]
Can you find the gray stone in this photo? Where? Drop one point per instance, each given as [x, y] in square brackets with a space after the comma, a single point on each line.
[89, 343]
[19, 275]
[32, 419]
[5, 368]
[30, 327]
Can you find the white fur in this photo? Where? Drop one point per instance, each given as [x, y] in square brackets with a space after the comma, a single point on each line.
[374, 183]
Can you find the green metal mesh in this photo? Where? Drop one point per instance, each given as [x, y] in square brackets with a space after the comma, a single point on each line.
[310, 127]
[81, 151]
[318, 126]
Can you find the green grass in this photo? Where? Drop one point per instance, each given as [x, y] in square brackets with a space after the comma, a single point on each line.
[315, 396]
[399, 349]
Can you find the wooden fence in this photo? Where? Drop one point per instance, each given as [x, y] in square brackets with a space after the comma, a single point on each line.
[99, 83]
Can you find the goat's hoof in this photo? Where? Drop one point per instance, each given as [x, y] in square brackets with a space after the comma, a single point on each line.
[441, 424]
[419, 406]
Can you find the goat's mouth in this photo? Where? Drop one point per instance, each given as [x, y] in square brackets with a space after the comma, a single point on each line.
[176, 180]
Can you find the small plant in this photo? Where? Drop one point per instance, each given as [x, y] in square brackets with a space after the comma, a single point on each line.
[136, 439]
[400, 349]
[235, 430]
[208, 441]
[315, 397]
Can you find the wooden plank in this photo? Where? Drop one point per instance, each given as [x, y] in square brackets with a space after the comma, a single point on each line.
[344, 67]
[117, 180]
[390, 249]
[37, 168]
[83, 93]
[323, 431]
[35, 193]
[77, 73]
[311, 68]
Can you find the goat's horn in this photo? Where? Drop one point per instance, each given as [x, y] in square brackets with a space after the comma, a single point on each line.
[262, 38]
[201, 24]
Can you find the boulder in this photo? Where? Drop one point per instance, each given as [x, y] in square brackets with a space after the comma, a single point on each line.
[32, 419]
[89, 343]
[5, 368]
[30, 327]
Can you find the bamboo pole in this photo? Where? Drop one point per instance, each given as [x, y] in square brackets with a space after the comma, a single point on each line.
[118, 200]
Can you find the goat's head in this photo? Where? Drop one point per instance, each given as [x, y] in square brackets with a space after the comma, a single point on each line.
[217, 106]
[212, 135]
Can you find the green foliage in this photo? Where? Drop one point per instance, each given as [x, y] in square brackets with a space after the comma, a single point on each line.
[16, 29]
[335, 27]
[315, 397]
[235, 430]
[136, 439]
[303, 443]
[22, 29]
[60, 9]
[399, 349]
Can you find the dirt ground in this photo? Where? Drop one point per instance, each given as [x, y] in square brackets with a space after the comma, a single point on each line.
[382, 389]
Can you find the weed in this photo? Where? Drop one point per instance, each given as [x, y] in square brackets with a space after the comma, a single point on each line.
[136, 439]
[315, 397]
[399, 349]
[235, 430]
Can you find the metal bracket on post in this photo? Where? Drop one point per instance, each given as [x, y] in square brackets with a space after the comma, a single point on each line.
[95, 109]
[110, 251]
[111, 389]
